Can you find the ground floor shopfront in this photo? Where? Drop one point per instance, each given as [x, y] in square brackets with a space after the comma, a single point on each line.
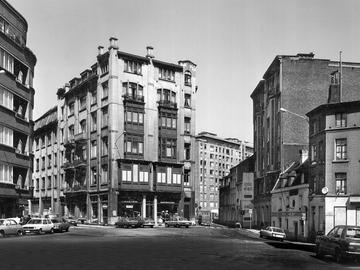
[105, 207]
[14, 202]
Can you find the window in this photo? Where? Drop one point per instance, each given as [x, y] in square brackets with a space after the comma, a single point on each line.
[335, 78]
[105, 117]
[82, 126]
[93, 150]
[93, 121]
[105, 87]
[134, 145]
[6, 61]
[340, 120]
[313, 153]
[133, 91]
[104, 173]
[134, 117]
[43, 183]
[341, 149]
[55, 159]
[6, 136]
[93, 179]
[82, 102]
[144, 177]
[6, 99]
[104, 142]
[166, 74]
[161, 177]
[93, 97]
[187, 78]
[71, 108]
[132, 67]
[340, 179]
[49, 182]
[187, 100]
[104, 68]
[186, 178]
[49, 161]
[6, 172]
[187, 151]
[71, 131]
[37, 166]
[126, 175]
[43, 163]
[167, 148]
[167, 121]
[187, 121]
[177, 178]
[55, 181]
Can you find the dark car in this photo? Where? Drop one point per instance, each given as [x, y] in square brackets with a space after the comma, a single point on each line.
[60, 224]
[127, 222]
[341, 242]
[71, 221]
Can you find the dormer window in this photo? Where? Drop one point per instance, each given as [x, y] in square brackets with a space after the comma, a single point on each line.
[132, 67]
[166, 74]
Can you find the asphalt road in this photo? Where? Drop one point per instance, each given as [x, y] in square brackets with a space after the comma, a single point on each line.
[159, 248]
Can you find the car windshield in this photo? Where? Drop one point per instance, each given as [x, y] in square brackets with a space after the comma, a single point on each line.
[277, 230]
[34, 221]
[55, 221]
[353, 233]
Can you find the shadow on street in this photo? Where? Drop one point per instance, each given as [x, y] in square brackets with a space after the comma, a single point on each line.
[292, 245]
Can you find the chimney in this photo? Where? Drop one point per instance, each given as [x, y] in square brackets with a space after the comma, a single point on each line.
[100, 50]
[113, 43]
[150, 52]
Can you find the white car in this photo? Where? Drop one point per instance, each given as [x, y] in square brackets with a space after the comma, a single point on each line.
[39, 225]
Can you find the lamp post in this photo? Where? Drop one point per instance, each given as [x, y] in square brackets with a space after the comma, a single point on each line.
[299, 115]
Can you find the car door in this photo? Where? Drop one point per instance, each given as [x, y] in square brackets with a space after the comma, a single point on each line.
[325, 241]
[337, 240]
[13, 226]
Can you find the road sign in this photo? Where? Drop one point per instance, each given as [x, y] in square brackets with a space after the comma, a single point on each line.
[250, 211]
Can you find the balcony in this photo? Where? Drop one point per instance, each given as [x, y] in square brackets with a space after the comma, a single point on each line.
[79, 163]
[68, 165]
[167, 104]
[69, 142]
[81, 137]
[76, 188]
[173, 188]
[133, 98]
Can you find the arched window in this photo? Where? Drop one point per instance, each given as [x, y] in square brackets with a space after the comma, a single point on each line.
[187, 79]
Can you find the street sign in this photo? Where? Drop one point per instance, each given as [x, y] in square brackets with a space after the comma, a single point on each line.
[250, 211]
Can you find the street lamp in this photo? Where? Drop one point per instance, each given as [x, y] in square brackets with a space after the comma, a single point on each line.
[299, 115]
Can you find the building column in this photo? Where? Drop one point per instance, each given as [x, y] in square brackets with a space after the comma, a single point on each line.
[155, 210]
[144, 206]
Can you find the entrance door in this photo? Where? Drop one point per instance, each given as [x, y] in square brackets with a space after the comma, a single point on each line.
[186, 210]
[296, 230]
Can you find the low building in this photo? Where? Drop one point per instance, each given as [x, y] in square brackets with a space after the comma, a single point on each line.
[334, 141]
[289, 200]
[236, 194]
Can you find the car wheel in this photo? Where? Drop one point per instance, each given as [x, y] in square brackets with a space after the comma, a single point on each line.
[67, 229]
[39, 231]
[186, 226]
[151, 226]
[19, 233]
[51, 231]
[338, 256]
[2, 234]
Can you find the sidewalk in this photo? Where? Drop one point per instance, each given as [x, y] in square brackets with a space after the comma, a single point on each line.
[287, 244]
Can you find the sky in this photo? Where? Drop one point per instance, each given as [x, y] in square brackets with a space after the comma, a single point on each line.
[232, 42]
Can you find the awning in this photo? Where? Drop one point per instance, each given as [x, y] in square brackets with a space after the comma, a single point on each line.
[354, 199]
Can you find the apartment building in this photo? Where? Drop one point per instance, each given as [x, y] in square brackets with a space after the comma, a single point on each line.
[215, 157]
[291, 86]
[334, 140]
[48, 197]
[17, 64]
[236, 193]
[127, 126]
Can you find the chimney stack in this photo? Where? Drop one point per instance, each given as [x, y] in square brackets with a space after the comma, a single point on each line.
[113, 43]
[100, 50]
[149, 52]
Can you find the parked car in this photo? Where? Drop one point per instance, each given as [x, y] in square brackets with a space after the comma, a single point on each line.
[10, 226]
[39, 225]
[273, 233]
[148, 222]
[341, 242]
[71, 221]
[81, 220]
[178, 222]
[127, 222]
[60, 224]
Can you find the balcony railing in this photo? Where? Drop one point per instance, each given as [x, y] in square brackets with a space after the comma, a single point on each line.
[137, 98]
[76, 188]
[80, 137]
[167, 103]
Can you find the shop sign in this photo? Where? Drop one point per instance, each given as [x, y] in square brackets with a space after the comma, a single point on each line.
[129, 206]
[129, 201]
[287, 214]
[164, 202]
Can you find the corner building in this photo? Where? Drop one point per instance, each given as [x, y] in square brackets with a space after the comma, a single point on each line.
[127, 126]
[17, 64]
[292, 86]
